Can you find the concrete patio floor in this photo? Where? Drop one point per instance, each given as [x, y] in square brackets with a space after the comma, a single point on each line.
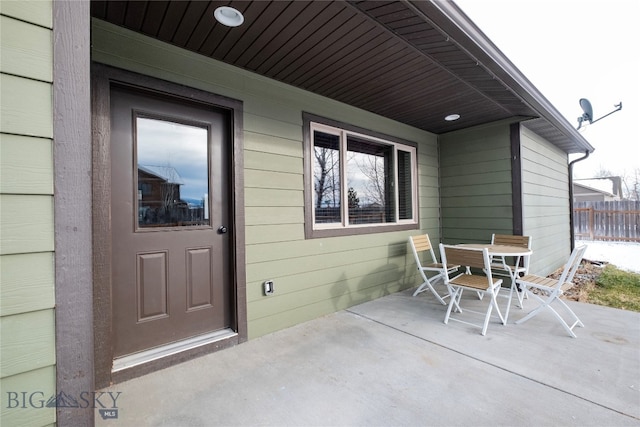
[393, 362]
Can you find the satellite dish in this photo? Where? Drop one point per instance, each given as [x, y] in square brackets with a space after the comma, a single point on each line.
[587, 109]
[587, 115]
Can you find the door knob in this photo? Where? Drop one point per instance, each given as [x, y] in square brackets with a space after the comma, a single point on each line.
[222, 229]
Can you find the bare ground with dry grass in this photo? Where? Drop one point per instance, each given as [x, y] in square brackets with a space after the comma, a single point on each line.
[584, 280]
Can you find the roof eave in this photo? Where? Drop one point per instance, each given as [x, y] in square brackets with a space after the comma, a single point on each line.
[454, 22]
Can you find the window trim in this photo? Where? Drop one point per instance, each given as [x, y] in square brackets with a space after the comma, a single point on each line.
[309, 226]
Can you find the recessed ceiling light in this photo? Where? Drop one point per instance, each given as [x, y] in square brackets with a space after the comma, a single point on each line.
[228, 16]
[452, 117]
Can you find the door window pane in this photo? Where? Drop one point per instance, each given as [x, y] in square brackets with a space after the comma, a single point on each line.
[326, 178]
[173, 174]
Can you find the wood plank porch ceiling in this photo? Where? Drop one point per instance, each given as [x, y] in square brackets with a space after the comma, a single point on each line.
[389, 57]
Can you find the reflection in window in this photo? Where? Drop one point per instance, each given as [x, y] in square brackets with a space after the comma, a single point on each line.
[405, 191]
[360, 180]
[368, 169]
[326, 177]
[173, 178]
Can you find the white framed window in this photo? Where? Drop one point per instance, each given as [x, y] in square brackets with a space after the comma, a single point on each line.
[357, 181]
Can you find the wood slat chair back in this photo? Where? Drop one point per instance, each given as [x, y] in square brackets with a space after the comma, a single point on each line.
[550, 291]
[422, 243]
[465, 257]
[511, 240]
[426, 261]
[509, 266]
[484, 284]
[571, 267]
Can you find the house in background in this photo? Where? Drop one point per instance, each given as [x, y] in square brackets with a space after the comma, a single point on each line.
[458, 143]
[604, 189]
[159, 200]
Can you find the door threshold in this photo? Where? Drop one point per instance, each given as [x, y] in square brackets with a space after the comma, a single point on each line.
[146, 356]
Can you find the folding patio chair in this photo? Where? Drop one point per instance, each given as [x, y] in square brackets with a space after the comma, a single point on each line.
[421, 244]
[513, 270]
[500, 262]
[551, 290]
[484, 284]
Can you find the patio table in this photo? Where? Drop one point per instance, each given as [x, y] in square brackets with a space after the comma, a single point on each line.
[517, 252]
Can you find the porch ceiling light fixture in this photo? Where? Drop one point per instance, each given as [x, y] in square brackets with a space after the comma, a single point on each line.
[452, 117]
[228, 16]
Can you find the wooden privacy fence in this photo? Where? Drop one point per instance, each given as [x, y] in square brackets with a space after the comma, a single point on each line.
[616, 220]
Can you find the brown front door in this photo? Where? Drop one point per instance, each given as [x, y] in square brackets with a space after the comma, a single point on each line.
[170, 218]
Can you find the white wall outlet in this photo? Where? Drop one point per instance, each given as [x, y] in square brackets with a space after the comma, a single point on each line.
[268, 287]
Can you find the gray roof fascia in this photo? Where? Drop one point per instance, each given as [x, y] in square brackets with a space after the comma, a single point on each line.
[462, 31]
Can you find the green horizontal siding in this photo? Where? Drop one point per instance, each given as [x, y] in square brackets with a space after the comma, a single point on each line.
[27, 282]
[489, 177]
[27, 50]
[365, 277]
[27, 224]
[273, 197]
[272, 162]
[318, 247]
[40, 385]
[476, 183]
[312, 277]
[484, 144]
[545, 187]
[26, 165]
[38, 13]
[320, 261]
[275, 180]
[258, 234]
[272, 144]
[271, 215]
[478, 201]
[27, 275]
[26, 107]
[28, 342]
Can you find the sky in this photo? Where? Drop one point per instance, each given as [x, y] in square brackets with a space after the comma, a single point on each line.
[572, 49]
